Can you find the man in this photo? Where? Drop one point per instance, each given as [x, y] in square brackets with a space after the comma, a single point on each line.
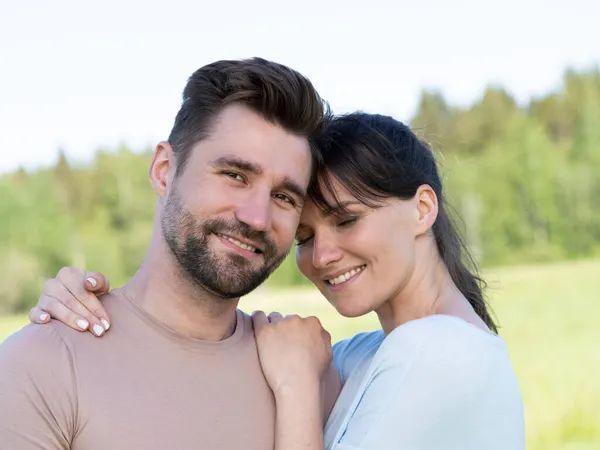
[180, 367]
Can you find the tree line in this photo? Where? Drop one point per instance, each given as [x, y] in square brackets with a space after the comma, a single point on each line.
[524, 180]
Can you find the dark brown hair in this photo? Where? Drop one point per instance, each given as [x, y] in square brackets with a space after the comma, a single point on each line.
[376, 157]
[276, 92]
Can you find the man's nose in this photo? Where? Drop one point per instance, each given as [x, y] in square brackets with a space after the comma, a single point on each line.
[255, 211]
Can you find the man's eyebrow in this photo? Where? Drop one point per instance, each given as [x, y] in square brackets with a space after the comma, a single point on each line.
[293, 187]
[238, 163]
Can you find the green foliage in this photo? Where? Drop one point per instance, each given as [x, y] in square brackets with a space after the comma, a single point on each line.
[524, 180]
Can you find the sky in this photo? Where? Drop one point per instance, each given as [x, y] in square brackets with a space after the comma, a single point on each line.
[78, 75]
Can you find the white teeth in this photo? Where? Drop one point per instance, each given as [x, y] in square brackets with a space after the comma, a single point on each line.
[346, 276]
[238, 243]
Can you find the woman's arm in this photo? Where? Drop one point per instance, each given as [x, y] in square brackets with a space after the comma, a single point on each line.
[295, 354]
[299, 417]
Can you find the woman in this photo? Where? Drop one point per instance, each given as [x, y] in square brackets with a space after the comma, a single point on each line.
[375, 235]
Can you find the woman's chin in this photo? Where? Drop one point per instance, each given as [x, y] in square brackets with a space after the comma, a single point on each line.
[349, 308]
[346, 305]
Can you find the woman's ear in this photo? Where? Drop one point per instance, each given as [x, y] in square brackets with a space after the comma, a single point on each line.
[427, 208]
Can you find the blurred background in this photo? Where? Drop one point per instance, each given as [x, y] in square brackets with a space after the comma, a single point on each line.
[508, 94]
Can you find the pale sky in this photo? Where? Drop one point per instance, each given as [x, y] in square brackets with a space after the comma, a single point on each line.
[80, 75]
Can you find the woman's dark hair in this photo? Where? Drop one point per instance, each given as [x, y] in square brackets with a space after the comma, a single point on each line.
[376, 157]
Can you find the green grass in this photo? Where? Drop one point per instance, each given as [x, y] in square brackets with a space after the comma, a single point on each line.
[549, 316]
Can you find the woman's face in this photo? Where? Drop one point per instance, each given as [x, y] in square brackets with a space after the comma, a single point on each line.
[361, 259]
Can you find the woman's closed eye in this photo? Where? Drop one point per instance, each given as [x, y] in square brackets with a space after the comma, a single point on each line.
[301, 240]
[346, 222]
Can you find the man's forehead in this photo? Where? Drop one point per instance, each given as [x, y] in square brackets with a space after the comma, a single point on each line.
[240, 133]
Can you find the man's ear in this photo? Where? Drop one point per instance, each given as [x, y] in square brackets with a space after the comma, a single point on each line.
[162, 168]
[427, 208]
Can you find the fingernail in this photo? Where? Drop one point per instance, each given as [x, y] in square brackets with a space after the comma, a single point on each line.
[92, 281]
[98, 330]
[105, 323]
[43, 316]
[83, 324]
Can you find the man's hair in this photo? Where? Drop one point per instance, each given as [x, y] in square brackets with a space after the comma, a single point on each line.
[279, 94]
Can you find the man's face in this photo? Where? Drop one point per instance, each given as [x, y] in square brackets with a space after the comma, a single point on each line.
[231, 215]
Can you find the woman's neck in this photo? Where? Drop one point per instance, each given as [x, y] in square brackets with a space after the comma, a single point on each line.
[429, 290]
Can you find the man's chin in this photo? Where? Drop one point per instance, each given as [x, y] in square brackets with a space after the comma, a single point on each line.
[228, 294]
[229, 289]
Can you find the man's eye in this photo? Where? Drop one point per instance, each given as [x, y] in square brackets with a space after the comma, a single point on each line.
[236, 176]
[285, 198]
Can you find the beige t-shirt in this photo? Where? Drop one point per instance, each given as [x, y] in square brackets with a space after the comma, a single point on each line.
[141, 386]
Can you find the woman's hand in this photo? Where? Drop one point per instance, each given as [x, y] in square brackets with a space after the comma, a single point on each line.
[294, 352]
[72, 298]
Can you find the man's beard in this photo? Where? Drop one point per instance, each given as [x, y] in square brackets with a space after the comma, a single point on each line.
[226, 276]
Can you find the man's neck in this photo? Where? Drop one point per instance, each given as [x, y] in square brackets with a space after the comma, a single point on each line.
[160, 289]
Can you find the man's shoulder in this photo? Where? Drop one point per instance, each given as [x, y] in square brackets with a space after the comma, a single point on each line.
[34, 338]
[37, 389]
[35, 348]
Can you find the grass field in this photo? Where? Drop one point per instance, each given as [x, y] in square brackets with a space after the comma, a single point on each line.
[550, 318]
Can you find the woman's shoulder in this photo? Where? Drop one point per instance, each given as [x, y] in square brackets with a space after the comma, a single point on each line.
[440, 328]
[438, 341]
[432, 344]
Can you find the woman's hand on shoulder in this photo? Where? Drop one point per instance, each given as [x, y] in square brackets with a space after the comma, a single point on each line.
[294, 352]
[72, 297]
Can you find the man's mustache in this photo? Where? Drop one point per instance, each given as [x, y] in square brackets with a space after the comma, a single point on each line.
[243, 230]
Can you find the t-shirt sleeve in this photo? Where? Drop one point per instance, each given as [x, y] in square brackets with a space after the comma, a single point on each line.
[421, 395]
[339, 353]
[37, 390]
[348, 353]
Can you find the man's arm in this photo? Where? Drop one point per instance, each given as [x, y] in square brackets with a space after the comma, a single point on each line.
[37, 391]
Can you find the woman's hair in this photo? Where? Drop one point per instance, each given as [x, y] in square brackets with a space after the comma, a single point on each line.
[376, 157]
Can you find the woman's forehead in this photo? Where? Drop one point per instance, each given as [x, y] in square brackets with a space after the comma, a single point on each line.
[333, 190]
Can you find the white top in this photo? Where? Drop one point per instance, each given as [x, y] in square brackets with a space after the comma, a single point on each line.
[433, 383]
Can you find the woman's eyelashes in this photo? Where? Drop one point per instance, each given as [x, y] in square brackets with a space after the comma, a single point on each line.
[302, 240]
[346, 222]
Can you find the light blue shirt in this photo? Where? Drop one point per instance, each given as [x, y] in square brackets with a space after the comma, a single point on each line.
[433, 383]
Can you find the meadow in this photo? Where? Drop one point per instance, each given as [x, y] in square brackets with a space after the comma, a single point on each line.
[549, 316]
